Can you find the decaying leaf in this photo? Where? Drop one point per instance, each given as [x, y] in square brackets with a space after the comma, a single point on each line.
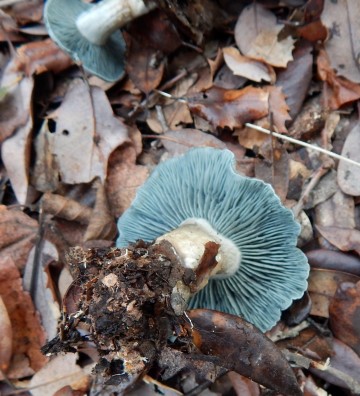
[256, 34]
[278, 108]
[17, 235]
[144, 65]
[6, 338]
[178, 142]
[84, 138]
[296, 78]
[322, 287]
[28, 335]
[124, 178]
[337, 90]
[247, 67]
[239, 346]
[345, 239]
[344, 314]
[348, 174]
[342, 45]
[231, 108]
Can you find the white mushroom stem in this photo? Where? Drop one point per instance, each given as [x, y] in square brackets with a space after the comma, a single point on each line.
[98, 23]
[189, 241]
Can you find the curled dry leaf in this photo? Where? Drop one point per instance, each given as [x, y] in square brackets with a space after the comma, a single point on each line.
[344, 314]
[239, 346]
[247, 67]
[66, 208]
[348, 174]
[345, 239]
[28, 335]
[256, 35]
[343, 42]
[278, 108]
[296, 78]
[322, 287]
[337, 90]
[102, 223]
[84, 138]
[329, 259]
[17, 235]
[231, 108]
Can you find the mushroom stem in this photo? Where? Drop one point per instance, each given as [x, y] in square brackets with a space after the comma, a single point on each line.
[189, 241]
[98, 23]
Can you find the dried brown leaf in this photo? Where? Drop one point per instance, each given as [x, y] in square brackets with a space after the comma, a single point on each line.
[322, 287]
[144, 65]
[278, 108]
[343, 43]
[6, 338]
[348, 174]
[242, 385]
[124, 177]
[344, 314]
[345, 239]
[231, 108]
[295, 79]
[239, 346]
[17, 235]
[28, 336]
[247, 67]
[337, 90]
[256, 35]
[329, 259]
[84, 139]
[102, 223]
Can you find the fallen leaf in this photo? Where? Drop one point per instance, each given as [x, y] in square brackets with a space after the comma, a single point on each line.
[144, 65]
[28, 335]
[324, 189]
[102, 223]
[344, 314]
[348, 174]
[17, 235]
[256, 35]
[246, 67]
[242, 385]
[44, 297]
[337, 90]
[178, 142]
[124, 177]
[347, 362]
[322, 287]
[84, 139]
[296, 78]
[330, 259]
[342, 45]
[237, 345]
[62, 370]
[278, 108]
[345, 239]
[231, 108]
[6, 338]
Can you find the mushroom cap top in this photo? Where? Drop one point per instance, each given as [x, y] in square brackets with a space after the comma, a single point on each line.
[105, 61]
[204, 184]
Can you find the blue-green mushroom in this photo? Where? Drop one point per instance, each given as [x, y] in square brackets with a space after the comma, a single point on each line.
[199, 197]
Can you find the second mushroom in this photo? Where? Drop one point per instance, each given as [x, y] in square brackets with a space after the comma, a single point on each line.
[199, 197]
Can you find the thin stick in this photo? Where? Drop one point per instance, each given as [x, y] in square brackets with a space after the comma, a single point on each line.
[301, 143]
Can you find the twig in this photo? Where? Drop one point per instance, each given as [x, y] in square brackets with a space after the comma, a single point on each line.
[301, 143]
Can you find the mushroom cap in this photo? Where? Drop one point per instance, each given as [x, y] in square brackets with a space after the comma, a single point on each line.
[204, 184]
[105, 61]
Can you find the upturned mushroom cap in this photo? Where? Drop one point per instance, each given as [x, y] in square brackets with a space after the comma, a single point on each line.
[204, 184]
[105, 61]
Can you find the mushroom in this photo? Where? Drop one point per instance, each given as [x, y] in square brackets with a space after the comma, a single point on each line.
[199, 197]
[90, 34]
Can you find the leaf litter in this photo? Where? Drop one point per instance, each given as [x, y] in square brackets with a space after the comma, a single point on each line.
[75, 150]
